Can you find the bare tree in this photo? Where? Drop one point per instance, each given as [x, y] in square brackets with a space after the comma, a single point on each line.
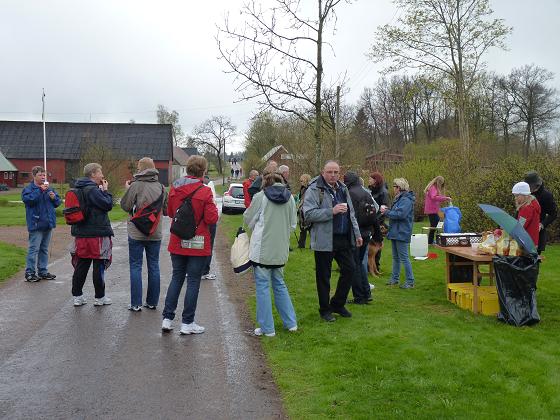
[164, 116]
[449, 36]
[276, 55]
[213, 135]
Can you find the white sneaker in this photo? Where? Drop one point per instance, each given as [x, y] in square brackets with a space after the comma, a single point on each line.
[79, 300]
[259, 332]
[102, 301]
[371, 286]
[191, 328]
[293, 329]
[166, 325]
[209, 276]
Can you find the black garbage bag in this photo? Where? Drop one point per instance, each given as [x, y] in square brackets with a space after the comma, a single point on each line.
[516, 282]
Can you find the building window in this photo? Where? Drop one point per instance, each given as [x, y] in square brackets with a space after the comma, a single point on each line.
[11, 175]
[286, 156]
[25, 174]
[5, 175]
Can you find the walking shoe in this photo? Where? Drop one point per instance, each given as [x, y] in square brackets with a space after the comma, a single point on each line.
[166, 325]
[392, 283]
[407, 286]
[329, 317]
[259, 332]
[134, 308]
[152, 307]
[209, 276]
[371, 286]
[31, 277]
[191, 328]
[47, 276]
[102, 301]
[79, 300]
[357, 301]
[343, 312]
[293, 329]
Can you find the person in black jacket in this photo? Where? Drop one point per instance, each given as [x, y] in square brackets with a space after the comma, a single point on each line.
[256, 186]
[380, 194]
[549, 210]
[92, 237]
[364, 207]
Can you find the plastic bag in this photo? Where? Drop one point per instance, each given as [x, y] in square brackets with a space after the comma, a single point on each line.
[452, 219]
[239, 256]
[516, 282]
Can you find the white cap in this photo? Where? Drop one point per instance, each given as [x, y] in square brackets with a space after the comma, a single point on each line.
[521, 188]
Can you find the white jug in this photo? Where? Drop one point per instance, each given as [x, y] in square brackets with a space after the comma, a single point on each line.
[419, 245]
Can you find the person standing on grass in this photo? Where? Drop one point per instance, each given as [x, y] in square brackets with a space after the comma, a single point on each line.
[206, 274]
[434, 196]
[304, 181]
[528, 210]
[40, 202]
[284, 170]
[92, 237]
[256, 186]
[401, 217]
[378, 188]
[143, 190]
[549, 210]
[272, 218]
[334, 232]
[253, 174]
[189, 257]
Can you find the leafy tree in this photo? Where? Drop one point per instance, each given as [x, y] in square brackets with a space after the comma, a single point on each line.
[164, 116]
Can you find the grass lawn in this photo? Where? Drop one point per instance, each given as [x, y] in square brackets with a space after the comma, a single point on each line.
[411, 353]
[12, 259]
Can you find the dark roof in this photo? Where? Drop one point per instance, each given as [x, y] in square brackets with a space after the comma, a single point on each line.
[24, 139]
[191, 151]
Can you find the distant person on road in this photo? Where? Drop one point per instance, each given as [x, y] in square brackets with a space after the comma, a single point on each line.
[206, 274]
[92, 238]
[272, 217]
[256, 186]
[434, 195]
[284, 170]
[253, 174]
[334, 233]
[549, 209]
[143, 190]
[189, 257]
[40, 201]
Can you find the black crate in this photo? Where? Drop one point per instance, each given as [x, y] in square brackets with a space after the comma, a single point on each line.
[459, 239]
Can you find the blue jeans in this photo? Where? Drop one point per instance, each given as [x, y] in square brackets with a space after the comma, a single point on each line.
[212, 229]
[135, 256]
[38, 251]
[400, 255]
[191, 267]
[263, 278]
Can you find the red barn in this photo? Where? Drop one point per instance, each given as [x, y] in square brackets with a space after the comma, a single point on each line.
[8, 172]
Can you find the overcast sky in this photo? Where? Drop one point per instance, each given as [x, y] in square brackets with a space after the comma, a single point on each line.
[116, 60]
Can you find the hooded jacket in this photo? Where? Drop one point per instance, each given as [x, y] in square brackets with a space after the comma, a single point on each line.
[272, 218]
[549, 210]
[98, 204]
[145, 189]
[531, 213]
[401, 217]
[433, 200]
[39, 208]
[359, 197]
[205, 213]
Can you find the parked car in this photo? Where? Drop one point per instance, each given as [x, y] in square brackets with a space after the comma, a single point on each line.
[233, 198]
[4, 187]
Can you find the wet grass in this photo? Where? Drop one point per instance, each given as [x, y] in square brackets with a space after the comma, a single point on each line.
[413, 354]
[12, 259]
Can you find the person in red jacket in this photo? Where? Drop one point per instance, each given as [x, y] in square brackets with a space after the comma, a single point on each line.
[246, 184]
[528, 210]
[188, 258]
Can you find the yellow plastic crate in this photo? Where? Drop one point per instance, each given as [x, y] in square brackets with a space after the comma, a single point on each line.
[488, 303]
[455, 289]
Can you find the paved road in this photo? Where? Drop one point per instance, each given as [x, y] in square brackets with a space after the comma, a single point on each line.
[58, 361]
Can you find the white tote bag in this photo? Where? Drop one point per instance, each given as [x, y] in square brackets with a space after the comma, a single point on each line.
[240, 252]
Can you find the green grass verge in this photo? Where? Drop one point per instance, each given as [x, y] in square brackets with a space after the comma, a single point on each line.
[411, 353]
[12, 259]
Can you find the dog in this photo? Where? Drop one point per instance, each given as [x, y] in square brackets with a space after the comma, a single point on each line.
[373, 250]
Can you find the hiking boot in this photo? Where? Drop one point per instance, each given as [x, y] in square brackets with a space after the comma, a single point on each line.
[343, 312]
[191, 328]
[407, 286]
[259, 332]
[134, 308]
[328, 317]
[79, 300]
[47, 276]
[152, 307]
[102, 301]
[166, 325]
[31, 277]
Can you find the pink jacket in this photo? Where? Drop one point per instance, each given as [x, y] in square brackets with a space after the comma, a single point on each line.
[432, 200]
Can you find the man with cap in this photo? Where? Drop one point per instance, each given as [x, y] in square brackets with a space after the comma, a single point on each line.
[545, 198]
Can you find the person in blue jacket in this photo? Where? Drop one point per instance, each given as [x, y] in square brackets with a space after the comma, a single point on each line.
[401, 216]
[40, 201]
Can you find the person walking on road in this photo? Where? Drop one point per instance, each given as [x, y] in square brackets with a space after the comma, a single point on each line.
[401, 217]
[434, 196]
[272, 218]
[549, 209]
[188, 257]
[334, 232]
[92, 237]
[253, 174]
[40, 201]
[143, 190]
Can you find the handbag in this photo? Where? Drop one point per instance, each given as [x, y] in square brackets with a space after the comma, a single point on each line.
[239, 256]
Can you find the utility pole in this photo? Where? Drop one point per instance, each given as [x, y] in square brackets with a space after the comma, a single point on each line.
[337, 128]
[44, 137]
[224, 166]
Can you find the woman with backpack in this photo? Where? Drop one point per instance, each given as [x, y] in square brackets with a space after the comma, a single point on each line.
[434, 196]
[192, 208]
[304, 183]
[143, 191]
[272, 218]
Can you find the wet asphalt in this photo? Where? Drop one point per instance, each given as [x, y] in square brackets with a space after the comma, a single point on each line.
[60, 361]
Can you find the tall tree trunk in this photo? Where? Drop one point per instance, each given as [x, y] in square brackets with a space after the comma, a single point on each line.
[317, 133]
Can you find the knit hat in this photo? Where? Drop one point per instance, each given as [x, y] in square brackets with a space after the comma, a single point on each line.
[533, 179]
[521, 188]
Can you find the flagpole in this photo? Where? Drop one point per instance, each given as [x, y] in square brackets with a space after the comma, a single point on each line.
[44, 137]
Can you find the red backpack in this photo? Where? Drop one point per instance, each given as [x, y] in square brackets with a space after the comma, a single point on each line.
[147, 218]
[74, 206]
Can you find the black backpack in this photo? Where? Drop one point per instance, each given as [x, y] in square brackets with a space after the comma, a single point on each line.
[183, 224]
[366, 214]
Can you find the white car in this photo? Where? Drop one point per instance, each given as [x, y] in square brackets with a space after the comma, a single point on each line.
[233, 198]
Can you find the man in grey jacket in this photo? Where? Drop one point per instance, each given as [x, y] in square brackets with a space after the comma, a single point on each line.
[334, 232]
[144, 189]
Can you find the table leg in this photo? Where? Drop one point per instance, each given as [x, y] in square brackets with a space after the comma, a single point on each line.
[475, 288]
[448, 275]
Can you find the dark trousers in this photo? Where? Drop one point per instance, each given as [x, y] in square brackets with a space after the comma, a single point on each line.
[342, 253]
[360, 282]
[542, 241]
[434, 220]
[80, 274]
[212, 229]
[302, 238]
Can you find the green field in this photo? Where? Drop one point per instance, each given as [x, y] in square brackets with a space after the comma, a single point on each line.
[413, 354]
[12, 259]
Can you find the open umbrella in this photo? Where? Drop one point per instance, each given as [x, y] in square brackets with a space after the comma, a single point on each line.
[511, 226]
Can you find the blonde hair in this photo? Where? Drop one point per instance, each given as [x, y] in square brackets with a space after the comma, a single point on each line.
[438, 181]
[306, 179]
[145, 163]
[401, 183]
[526, 200]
